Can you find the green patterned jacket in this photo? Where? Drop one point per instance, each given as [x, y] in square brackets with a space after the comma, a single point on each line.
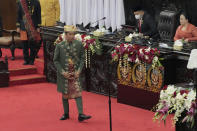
[63, 52]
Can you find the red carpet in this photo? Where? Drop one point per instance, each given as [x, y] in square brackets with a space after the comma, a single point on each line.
[24, 74]
[18, 62]
[37, 107]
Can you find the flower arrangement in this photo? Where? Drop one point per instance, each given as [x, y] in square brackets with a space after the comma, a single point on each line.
[130, 37]
[125, 53]
[178, 45]
[135, 53]
[176, 99]
[91, 45]
[60, 38]
[100, 32]
[150, 56]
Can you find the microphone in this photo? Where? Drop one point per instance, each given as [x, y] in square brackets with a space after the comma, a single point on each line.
[98, 20]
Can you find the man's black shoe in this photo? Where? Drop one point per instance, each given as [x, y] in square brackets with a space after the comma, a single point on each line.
[64, 117]
[83, 117]
[31, 63]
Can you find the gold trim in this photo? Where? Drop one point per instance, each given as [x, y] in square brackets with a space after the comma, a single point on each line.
[139, 84]
[155, 88]
[127, 80]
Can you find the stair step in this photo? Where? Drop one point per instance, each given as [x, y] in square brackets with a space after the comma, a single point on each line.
[23, 71]
[26, 79]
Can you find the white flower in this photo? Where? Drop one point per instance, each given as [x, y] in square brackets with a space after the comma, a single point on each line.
[126, 45]
[191, 95]
[87, 37]
[103, 30]
[155, 59]
[99, 32]
[162, 94]
[178, 43]
[140, 50]
[170, 90]
[137, 60]
[176, 104]
[128, 39]
[78, 37]
[135, 34]
[130, 35]
[147, 49]
[146, 57]
[179, 96]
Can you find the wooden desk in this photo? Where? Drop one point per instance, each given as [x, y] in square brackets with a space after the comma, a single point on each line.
[103, 74]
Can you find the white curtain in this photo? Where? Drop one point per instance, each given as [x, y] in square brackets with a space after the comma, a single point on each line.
[80, 11]
[120, 19]
[94, 13]
[100, 12]
[62, 12]
[107, 13]
[86, 11]
[113, 14]
[74, 12]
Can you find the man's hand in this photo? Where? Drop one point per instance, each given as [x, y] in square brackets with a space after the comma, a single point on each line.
[77, 74]
[66, 75]
[18, 30]
[38, 30]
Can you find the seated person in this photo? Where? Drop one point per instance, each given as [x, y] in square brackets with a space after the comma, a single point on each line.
[185, 31]
[146, 23]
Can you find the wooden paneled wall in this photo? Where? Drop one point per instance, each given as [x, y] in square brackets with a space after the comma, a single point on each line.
[8, 13]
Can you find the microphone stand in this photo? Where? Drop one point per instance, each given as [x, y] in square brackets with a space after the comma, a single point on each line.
[195, 87]
[96, 22]
[109, 90]
[109, 97]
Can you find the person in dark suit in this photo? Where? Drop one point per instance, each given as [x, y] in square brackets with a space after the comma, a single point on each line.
[1, 26]
[28, 23]
[146, 23]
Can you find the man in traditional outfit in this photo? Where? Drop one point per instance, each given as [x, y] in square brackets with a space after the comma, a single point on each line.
[28, 23]
[50, 12]
[69, 61]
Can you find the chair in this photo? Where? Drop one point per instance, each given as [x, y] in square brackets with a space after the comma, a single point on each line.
[11, 41]
[167, 25]
[4, 73]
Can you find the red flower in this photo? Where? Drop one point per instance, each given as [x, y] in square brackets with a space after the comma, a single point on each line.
[86, 46]
[156, 49]
[90, 41]
[184, 91]
[174, 95]
[60, 38]
[165, 87]
[83, 36]
[152, 51]
[161, 68]
[114, 54]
